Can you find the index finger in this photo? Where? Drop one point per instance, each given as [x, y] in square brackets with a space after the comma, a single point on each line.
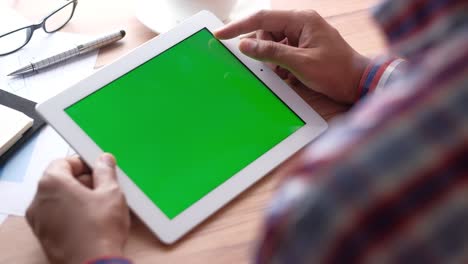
[271, 20]
[63, 171]
[77, 166]
[71, 166]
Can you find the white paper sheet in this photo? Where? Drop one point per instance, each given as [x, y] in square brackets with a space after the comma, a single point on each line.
[19, 176]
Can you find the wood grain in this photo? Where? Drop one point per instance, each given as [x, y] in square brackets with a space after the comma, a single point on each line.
[230, 235]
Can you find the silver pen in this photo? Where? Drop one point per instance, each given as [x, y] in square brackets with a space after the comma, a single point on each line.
[78, 50]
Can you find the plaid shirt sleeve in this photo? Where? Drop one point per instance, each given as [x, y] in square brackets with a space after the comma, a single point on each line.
[109, 260]
[379, 74]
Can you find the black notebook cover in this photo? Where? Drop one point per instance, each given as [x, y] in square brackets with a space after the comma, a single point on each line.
[23, 105]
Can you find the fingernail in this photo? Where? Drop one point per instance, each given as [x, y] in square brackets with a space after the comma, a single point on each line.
[107, 159]
[248, 45]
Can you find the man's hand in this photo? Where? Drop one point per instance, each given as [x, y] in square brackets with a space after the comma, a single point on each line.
[302, 45]
[77, 214]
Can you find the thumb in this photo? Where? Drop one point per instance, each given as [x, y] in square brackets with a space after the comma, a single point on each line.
[270, 51]
[104, 173]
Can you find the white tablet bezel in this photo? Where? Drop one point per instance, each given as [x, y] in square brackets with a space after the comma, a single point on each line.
[170, 230]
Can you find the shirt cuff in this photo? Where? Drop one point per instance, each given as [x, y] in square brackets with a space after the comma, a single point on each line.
[377, 74]
[109, 260]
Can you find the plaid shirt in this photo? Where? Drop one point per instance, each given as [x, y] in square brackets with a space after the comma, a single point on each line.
[388, 183]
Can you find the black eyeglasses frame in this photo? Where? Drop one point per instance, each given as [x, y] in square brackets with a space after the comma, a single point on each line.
[31, 28]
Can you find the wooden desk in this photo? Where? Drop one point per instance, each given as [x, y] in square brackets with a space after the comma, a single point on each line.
[229, 236]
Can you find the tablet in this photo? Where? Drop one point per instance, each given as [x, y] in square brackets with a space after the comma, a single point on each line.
[191, 121]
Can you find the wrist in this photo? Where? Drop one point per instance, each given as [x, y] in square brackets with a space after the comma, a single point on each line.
[92, 252]
[109, 260]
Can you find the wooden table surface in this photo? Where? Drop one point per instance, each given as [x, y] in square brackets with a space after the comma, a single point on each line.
[230, 235]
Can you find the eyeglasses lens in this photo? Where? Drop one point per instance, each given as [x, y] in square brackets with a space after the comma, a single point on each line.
[58, 19]
[13, 41]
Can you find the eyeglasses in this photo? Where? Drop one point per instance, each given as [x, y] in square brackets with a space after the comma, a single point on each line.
[16, 39]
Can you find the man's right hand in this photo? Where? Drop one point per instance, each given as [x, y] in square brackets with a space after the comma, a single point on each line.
[302, 45]
[79, 214]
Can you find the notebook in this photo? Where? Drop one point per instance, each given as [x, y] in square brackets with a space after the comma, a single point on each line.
[18, 123]
[13, 125]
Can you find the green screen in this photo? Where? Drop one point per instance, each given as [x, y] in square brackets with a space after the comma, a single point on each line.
[185, 121]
